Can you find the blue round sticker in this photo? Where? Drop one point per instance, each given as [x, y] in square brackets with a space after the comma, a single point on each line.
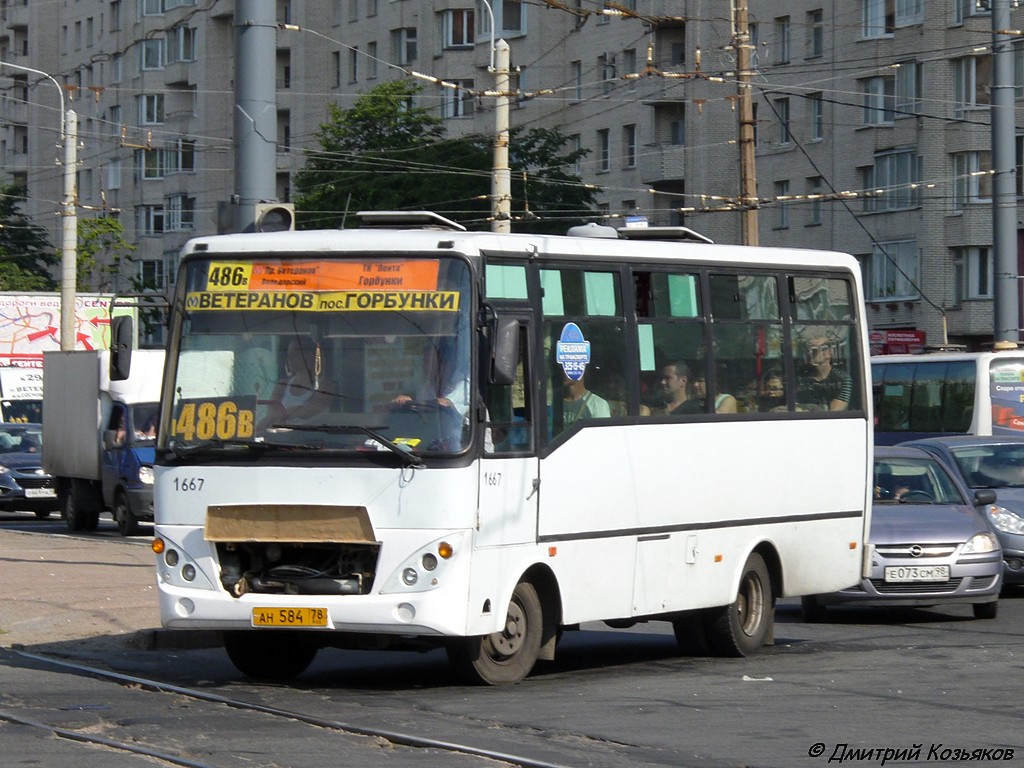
[572, 352]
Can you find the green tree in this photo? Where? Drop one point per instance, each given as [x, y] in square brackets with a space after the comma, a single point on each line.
[103, 254]
[386, 153]
[26, 255]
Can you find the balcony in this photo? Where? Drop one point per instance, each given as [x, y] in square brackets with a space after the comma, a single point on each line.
[17, 15]
[662, 162]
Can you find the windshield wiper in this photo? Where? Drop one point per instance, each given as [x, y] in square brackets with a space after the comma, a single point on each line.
[182, 450]
[411, 459]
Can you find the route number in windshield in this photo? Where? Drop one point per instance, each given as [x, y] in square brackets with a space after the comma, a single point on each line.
[220, 419]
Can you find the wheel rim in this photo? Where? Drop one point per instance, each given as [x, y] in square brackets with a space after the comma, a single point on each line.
[750, 604]
[507, 643]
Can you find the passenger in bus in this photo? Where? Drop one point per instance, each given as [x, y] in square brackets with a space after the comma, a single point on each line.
[579, 403]
[824, 386]
[724, 403]
[297, 396]
[674, 391]
[771, 391]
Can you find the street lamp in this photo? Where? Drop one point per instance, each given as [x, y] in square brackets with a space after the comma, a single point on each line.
[69, 230]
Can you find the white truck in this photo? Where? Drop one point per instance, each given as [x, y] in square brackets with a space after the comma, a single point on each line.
[98, 436]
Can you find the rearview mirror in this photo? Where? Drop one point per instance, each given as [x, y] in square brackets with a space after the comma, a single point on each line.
[122, 337]
[504, 350]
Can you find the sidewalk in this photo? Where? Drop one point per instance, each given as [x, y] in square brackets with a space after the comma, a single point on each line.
[57, 589]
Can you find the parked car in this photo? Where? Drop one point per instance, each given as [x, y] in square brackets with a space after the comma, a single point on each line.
[995, 463]
[23, 483]
[929, 544]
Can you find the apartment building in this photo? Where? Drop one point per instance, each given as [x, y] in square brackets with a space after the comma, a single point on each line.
[872, 117]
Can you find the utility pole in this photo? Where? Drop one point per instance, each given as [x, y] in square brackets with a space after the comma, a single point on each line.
[69, 230]
[1006, 312]
[255, 109]
[748, 171]
[501, 177]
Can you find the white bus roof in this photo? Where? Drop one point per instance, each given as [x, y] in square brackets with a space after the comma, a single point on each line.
[529, 245]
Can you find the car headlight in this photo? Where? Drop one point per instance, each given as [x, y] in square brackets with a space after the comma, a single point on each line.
[1004, 520]
[980, 543]
[146, 475]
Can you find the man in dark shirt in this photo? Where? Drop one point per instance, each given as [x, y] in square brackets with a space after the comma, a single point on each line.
[824, 387]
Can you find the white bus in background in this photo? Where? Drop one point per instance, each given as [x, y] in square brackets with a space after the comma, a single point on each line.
[375, 436]
[947, 393]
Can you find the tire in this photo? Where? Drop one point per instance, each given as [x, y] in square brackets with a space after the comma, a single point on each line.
[740, 629]
[75, 509]
[42, 514]
[508, 656]
[986, 610]
[126, 521]
[811, 611]
[269, 655]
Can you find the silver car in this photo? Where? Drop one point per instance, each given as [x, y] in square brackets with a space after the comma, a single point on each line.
[929, 545]
[995, 463]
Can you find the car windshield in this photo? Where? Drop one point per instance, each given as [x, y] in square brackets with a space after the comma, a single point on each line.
[364, 354]
[18, 438]
[992, 466]
[907, 480]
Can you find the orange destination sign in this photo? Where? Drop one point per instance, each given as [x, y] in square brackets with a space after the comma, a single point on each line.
[324, 286]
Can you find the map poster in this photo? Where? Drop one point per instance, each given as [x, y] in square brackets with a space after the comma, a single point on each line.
[30, 325]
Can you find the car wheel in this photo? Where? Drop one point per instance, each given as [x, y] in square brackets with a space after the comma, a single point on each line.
[986, 610]
[74, 509]
[507, 656]
[740, 629]
[42, 514]
[126, 521]
[269, 655]
[811, 610]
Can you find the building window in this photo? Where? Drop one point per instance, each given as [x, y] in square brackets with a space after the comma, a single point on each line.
[879, 100]
[782, 115]
[149, 164]
[972, 81]
[181, 44]
[151, 274]
[150, 219]
[878, 18]
[180, 213]
[908, 88]
[629, 65]
[891, 271]
[458, 27]
[513, 17]
[604, 150]
[151, 51]
[403, 42]
[371, 60]
[909, 12]
[459, 101]
[576, 68]
[964, 9]
[782, 204]
[115, 16]
[152, 7]
[816, 107]
[113, 174]
[180, 156]
[892, 182]
[815, 185]
[353, 64]
[782, 53]
[975, 272]
[677, 132]
[629, 145]
[151, 109]
[606, 64]
[972, 178]
[815, 34]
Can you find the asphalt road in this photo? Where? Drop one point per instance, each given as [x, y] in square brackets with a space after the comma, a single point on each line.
[932, 686]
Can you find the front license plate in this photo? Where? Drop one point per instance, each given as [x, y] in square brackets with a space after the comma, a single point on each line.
[910, 573]
[40, 493]
[289, 617]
